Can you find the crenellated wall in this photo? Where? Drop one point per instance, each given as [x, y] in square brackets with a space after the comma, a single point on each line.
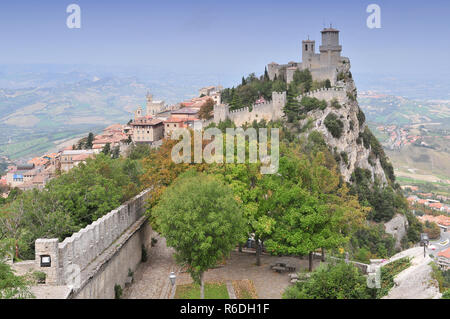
[327, 94]
[113, 240]
[272, 110]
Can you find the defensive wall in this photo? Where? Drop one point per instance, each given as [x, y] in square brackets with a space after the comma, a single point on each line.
[98, 257]
[273, 110]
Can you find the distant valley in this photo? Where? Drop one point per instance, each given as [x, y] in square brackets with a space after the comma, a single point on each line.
[416, 136]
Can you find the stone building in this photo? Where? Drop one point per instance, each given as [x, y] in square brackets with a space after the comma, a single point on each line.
[323, 65]
[71, 158]
[154, 107]
[147, 130]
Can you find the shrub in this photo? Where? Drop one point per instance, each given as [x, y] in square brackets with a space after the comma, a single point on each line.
[334, 125]
[118, 291]
[338, 281]
[352, 125]
[335, 103]
[312, 103]
[361, 117]
[344, 157]
[40, 277]
[144, 256]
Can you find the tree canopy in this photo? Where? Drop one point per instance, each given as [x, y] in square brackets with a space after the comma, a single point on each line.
[199, 217]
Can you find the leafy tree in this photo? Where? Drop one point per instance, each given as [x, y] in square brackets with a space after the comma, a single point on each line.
[206, 111]
[12, 286]
[115, 152]
[106, 149]
[68, 203]
[334, 125]
[339, 281]
[138, 151]
[310, 207]
[90, 140]
[312, 103]
[202, 223]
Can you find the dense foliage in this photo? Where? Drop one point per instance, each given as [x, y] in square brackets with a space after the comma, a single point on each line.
[206, 111]
[334, 125]
[199, 216]
[69, 202]
[385, 201]
[12, 286]
[328, 281]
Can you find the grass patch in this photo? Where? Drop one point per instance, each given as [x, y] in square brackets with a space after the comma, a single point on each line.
[244, 289]
[388, 273]
[189, 291]
[216, 290]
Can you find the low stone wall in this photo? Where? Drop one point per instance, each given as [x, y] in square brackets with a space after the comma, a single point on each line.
[99, 255]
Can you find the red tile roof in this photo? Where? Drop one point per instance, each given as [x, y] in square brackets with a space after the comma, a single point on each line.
[445, 253]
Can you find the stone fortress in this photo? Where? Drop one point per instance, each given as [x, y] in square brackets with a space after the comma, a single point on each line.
[326, 65]
[323, 66]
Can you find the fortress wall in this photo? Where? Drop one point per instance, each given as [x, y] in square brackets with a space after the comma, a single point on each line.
[84, 247]
[99, 279]
[327, 95]
[258, 113]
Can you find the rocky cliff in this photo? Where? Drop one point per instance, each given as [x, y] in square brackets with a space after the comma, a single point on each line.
[354, 144]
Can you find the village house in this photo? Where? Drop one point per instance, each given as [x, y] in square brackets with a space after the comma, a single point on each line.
[443, 259]
[147, 130]
[72, 158]
[441, 220]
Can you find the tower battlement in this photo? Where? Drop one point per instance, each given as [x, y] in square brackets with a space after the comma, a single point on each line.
[323, 65]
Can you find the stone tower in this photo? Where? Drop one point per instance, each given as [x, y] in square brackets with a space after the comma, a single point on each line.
[330, 50]
[150, 110]
[138, 113]
[308, 51]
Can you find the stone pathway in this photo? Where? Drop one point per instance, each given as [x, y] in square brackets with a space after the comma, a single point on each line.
[268, 284]
[151, 279]
[415, 282]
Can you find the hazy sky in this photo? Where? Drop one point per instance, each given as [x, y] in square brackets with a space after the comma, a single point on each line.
[225, 36]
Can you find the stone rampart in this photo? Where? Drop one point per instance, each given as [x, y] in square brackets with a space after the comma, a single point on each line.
[99, 254]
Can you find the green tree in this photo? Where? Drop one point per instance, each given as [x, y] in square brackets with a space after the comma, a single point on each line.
[339, 281]
[206, 111]
[311, 209]
[12, 286]
[202, 222]
[106, 149]
[89, 141]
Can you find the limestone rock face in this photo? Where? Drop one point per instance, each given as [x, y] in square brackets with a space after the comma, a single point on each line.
[358, 155]
[397, 227]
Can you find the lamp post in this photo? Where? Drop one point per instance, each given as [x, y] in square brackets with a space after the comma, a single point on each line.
[424, 240]
[172, 278]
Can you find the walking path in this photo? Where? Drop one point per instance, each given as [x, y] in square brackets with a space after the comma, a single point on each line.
[415, 282]
[151, 279]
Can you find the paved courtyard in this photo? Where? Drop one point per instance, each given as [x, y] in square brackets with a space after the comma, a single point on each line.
[151, 279]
